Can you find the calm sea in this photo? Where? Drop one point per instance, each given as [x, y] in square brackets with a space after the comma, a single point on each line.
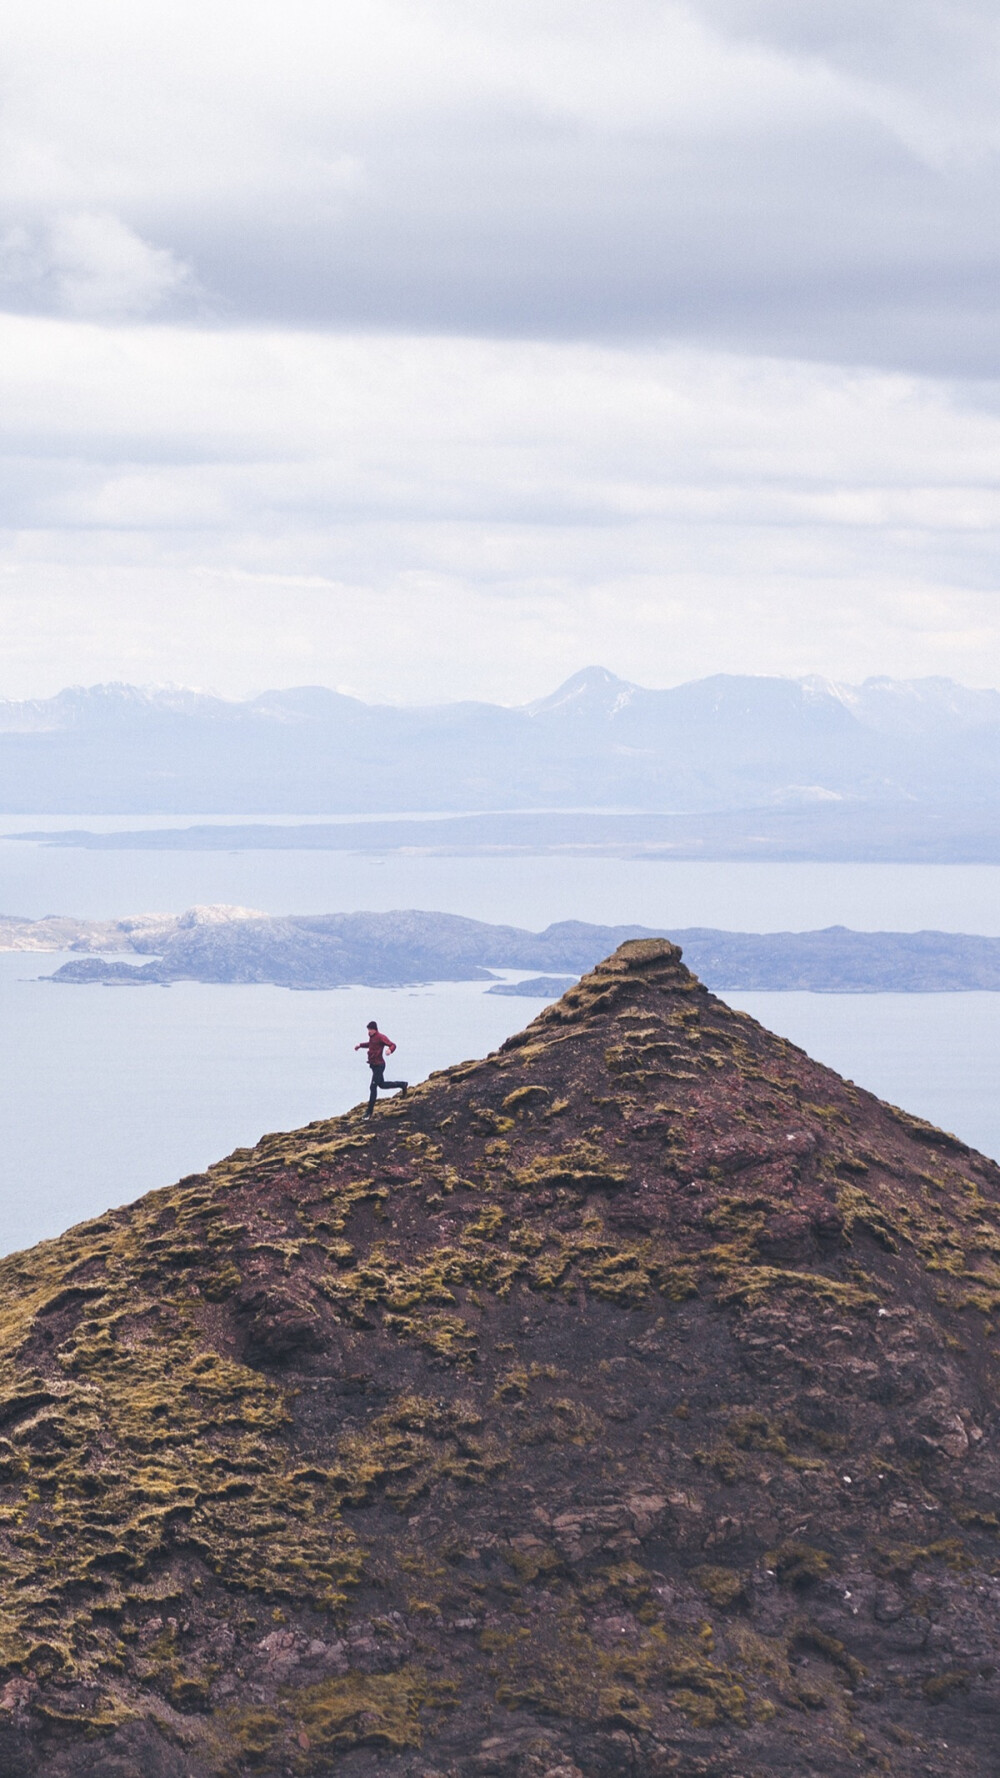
[108, 1092]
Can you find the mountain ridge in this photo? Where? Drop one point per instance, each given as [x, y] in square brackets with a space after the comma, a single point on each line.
[625, 1401]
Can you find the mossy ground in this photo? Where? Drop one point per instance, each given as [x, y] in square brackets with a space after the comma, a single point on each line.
[633, 1387]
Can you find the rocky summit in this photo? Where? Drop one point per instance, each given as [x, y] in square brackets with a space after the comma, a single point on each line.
[622, 1403]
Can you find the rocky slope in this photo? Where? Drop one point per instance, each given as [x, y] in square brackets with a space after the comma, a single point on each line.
[623, 1403]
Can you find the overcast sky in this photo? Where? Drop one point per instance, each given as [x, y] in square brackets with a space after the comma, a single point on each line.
[437, 349]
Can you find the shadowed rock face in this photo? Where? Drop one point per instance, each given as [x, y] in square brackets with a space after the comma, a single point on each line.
[622, 1403]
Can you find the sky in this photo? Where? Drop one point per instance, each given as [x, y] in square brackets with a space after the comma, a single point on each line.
[434, 350]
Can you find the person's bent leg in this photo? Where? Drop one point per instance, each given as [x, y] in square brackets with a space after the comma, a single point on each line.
[401, 1084]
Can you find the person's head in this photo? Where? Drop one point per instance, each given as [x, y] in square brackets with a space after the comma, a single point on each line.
[372, 1025]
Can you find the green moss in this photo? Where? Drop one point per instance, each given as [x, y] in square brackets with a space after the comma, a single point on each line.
[565, 1673]
[900, 1559]
[561, 1422]
[485, 1121]
[191, 1691]
[861, 1214]
[676, 1282]
[192, 1432]
[583, 1167]
[487, 1224]
[753, 1431]
[449, 1337]
[940, 1687]
[752, 1284]
[798, 1564]
[982, 1521]
[531, 1559]
[255, 1733]
[415, 1444]
[514, 1384]
[528, 1098]
[722, 1586]
[359, 1710]
[810, 1637]
[725, 1462]
[99, 1715]
[618, 1278]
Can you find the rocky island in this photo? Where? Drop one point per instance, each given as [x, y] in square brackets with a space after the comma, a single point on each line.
[231, 944]
[625, 1402]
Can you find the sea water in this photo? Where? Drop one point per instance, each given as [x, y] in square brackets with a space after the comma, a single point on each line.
[519, 891]
[110, 1091]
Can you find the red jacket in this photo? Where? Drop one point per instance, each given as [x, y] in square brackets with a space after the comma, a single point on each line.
[378, 1043]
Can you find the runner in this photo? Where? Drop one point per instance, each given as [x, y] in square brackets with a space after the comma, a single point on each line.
[376, 1044]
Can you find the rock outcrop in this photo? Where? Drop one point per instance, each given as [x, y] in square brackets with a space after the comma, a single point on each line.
[622, 1403]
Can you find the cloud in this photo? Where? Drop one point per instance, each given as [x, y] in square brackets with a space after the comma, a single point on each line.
[445, 516]
[102, 268]
[463, 345]
[89, 263]
[816, 182]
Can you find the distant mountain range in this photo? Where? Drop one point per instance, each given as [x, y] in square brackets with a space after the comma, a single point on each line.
[726, 743]
[221, 944]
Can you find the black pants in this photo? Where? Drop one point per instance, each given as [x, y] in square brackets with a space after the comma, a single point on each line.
[379, 1082]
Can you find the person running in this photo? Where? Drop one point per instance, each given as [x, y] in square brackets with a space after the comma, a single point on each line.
[376, 1044]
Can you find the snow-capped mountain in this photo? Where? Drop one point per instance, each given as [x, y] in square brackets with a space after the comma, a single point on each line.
[726, 742]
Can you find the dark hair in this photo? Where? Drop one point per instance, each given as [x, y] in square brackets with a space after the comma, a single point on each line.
[371, 1026]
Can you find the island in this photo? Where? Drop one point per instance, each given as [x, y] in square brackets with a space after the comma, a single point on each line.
[321, 951]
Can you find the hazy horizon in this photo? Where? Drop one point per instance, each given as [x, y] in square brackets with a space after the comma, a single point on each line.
[248, 693]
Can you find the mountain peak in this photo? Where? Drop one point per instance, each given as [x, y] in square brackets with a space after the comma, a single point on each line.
[621, 1401]
[216, 914]
[591, 692]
